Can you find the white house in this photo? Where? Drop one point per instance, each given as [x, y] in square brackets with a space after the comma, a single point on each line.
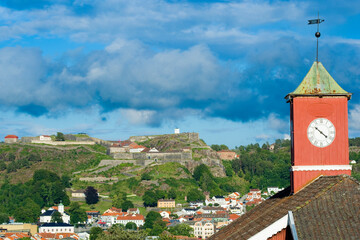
[239, 209]
[138, 219]
[220, 200]
[133, 211]
[196, 204]
[153, 150]
[56, 228]
[182, 219]
[209, 210]
[110, 218]
[78, 193]
[273, 190]
[46, 215]
[45, 138]
[203, 229]
[165, 214]
[253, 194]
[83, 236]
[234, 195]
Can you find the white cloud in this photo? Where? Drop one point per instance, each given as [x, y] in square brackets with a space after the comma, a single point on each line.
[276, 123]
[138, 117]
[354, 118]
[149, 20]
[262, 137]
[287, 137]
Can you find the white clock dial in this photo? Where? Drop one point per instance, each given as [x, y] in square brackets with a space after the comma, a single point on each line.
[321, 132]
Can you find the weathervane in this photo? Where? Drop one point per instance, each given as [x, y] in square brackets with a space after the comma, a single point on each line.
[317, 34]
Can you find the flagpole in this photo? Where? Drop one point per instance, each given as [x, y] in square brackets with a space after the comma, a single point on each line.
[317, 40]
[317, 34]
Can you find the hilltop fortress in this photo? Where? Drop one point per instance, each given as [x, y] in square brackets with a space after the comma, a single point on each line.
[184, 148]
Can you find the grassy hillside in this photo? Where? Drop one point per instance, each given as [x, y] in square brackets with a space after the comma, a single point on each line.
[172, 142]
[19, 161]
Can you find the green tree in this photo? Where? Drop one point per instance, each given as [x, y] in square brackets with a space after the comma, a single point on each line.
[65, 180]
[195, 195]
[77, 214]
[91, 195]
[4, 218]
[126, 205]
[56, 217]
[150, 199]
[29, 212]
[224, 147]
[131, 226]
[215, 147]
[60, 136]
[95, 232]
[151, 218]
[171, 194]
[118, 198]
[10, 157]
[158, 227]
[33, 157]
[181, 230]
[12, 167]
[2, 165]
[165, 236]
[121, 234]
[200, 170]
[46, 175]
[145, 176]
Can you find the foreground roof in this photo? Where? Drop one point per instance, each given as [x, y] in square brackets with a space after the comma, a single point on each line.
[328, 208]
[318, 82]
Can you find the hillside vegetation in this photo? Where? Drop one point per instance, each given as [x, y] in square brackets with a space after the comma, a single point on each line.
[19, 161]
[172, 142]
[258, 167]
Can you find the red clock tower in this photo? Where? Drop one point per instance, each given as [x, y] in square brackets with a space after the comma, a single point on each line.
[319, 128]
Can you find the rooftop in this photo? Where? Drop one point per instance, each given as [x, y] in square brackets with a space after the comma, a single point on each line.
[11, 136]
[318, 82]
[327, 208]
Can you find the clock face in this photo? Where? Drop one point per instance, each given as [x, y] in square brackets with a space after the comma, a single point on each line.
[321, 132]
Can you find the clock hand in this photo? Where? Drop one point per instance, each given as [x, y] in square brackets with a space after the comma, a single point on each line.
[321, 132]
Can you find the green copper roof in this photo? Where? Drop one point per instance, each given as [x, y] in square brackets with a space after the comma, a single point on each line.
[318, 82]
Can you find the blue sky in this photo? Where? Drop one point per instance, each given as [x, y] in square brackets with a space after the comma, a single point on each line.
[115, 69]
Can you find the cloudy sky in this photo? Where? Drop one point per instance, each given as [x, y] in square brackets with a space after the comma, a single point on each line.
[114, 68]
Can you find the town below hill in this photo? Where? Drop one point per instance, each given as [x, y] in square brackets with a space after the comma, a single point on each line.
[76, 186]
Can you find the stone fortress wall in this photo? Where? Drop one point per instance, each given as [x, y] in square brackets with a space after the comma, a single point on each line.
[173, 156]
[192, 137]
[70, 140]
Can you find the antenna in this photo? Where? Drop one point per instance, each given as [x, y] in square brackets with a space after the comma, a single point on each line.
[317, 34]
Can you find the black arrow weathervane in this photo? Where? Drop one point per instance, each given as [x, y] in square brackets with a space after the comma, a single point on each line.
[317, 34]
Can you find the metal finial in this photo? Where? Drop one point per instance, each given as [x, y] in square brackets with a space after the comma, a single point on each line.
[317, 34]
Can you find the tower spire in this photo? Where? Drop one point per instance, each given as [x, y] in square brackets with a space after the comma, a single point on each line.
[317, 34]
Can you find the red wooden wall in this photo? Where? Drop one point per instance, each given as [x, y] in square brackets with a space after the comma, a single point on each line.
[303, 111]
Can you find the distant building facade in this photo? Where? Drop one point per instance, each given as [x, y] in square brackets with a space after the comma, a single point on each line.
[56, 228]
[11, 139]
[203, 229]
[166, 203]
[226, 155]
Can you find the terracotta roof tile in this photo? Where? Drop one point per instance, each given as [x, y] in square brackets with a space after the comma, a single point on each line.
[11, 136]
[131, 217]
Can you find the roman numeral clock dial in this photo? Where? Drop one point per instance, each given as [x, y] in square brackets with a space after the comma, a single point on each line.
[321, 132]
